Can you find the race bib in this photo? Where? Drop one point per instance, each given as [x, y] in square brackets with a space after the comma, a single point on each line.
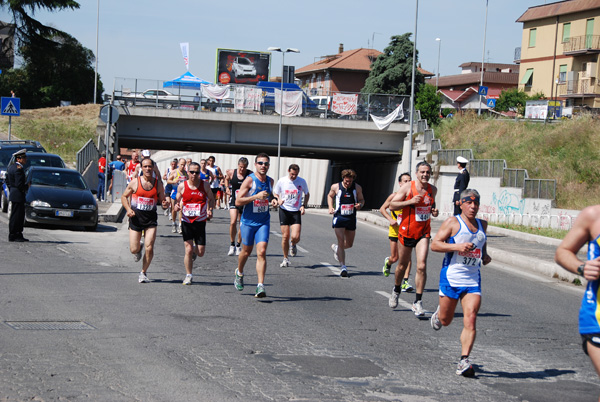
[422, 214]
[470, 258]
[192, 210]
[346, 209]
[260, 206]
[145, 203]
[291, 195]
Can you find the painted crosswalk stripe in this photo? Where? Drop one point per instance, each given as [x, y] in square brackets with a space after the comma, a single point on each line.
[333, 269]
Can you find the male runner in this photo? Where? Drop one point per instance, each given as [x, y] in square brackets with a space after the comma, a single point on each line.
[205, 174]
[196, 202]
[585, 229]
[348, 198]
[176, 177]
[463, 239]
[417, 202]
[292, 205]
[234, 179]
[131, 167]
[215, 185]
[169, 187]
[255, 226]
[395, 217]
[145, 191]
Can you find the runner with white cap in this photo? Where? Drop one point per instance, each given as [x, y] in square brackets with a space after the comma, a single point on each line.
[461, 183]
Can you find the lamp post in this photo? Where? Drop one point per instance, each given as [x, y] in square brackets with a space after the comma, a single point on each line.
[437, 78]
[283, 52]
[483, 54]
[96, 69]
[412, 91]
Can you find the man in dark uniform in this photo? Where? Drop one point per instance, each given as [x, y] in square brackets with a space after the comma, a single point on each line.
[461, 183]
[17, 185]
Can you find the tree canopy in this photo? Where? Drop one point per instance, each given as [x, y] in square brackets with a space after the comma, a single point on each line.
[391, 72]
[428, 101]
[515, 100]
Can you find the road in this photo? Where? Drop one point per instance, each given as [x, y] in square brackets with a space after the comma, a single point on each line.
[316, 337]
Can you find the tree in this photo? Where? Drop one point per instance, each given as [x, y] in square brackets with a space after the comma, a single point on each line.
[391, 72]
[428, 101]
[515, 100]
[27, 26]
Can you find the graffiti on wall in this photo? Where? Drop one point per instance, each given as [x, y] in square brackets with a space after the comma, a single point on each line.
[508, 203]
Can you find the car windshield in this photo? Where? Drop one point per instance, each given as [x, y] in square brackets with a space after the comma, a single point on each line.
[52, 161]
[57, 179]
[244, 61]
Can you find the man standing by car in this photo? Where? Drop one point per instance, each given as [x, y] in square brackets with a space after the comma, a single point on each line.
[17, 184]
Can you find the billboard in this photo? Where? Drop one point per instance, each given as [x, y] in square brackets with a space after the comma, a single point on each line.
[242, 66]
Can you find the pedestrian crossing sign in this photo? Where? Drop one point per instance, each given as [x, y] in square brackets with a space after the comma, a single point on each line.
[10, 106]
[491, 103]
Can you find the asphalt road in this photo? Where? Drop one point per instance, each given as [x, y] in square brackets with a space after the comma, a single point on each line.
[316, 337]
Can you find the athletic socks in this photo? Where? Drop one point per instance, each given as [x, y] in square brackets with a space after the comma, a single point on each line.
[419, 296]
[397, 289]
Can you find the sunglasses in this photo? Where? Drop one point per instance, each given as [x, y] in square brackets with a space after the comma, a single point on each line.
[263, 163]
[193, 171]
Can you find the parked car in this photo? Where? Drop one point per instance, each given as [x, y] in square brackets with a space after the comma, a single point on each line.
[149, 97]
[59, 196]
[33, 159]
[243, 67]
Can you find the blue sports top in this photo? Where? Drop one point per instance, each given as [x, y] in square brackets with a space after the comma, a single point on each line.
[589, 314]
[256, 213]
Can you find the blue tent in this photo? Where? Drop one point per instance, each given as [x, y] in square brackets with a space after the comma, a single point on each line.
[187, 80]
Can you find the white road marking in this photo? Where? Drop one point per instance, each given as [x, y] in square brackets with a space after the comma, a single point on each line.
[401, 302]
[63, 250]
[297, 246]
[333, 269]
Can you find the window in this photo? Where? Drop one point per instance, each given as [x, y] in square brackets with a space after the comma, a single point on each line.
[566, 32]
[562, 74]
[532, 34]
[528, 78]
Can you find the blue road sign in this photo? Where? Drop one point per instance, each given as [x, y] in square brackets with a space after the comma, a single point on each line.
[10, 106]
[491, 103]
[483, 91]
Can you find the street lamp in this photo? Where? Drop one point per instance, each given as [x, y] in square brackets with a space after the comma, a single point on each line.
[283, 52]
[412, 90]
[96, 69]
[483, 54]
[437, 79]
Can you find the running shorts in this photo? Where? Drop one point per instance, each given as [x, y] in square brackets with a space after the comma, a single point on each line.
[288, 218]
[195, 231]
[456, 292]
[594, 339]
[408, 242]
[343, 222]
[255, 234]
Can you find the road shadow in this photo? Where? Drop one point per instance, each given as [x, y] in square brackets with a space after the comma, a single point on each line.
[540, 374]
[100, 229]
[287, 299]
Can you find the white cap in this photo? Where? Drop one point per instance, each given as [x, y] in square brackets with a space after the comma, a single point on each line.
[459, 159]
[146, 153]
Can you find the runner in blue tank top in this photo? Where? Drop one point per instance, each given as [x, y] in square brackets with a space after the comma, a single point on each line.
[585, 229]
[254, 195]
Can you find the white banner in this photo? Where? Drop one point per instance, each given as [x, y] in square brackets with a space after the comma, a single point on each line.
[292, 102]
[215, 91]
[185, 52]
[344, 104]
[383, 123]
[247, 98]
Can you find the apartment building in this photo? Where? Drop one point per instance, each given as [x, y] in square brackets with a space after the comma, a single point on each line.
[559, 51]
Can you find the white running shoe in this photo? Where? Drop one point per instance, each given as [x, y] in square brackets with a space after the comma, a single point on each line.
[138, 256]
[293, 250]
[142, 278]
[435, 320]
[231, 251]
[418, 309]
[238, 250]
[174, 228]
[285, 263]
[170, 216]
[187, 280]
[179, 229]
[465, 368]
[334, 247]
[393, 301]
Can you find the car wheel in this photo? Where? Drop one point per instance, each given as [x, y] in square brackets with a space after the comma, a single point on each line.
[129, 103]
[4, 203]
[168, 106]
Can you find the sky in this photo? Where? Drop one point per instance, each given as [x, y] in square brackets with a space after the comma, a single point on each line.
[140, 38]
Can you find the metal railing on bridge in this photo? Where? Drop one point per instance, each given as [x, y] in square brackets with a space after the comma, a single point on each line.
[87, 154]
[448, 156]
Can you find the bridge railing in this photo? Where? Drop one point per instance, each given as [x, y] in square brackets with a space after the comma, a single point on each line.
[132, 92]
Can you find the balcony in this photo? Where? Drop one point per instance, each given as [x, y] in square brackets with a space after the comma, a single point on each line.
[586, 44]
[517, 58]
[583, 87]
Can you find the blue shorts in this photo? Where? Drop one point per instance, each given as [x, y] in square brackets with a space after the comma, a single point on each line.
[348, 223]
[174, 193]
[456, 292]
[255, 234]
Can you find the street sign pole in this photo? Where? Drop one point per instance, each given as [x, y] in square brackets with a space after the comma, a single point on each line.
[108, 114]
[9, 126]
[106, 137]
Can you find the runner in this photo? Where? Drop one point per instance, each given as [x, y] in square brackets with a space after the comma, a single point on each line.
[348, 198]
[176, 177]
[585, 229]
[463, 239]
[417, 202]
[234, 179]
[290, 190]
[131, 167]
[196, 202]
[395, 217]
[144, 191]
[205, 174]
[215, 185]
[169, 187]
[254, 196]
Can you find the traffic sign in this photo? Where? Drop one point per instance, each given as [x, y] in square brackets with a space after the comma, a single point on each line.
[483, 91]
[114, 114]
[491, 103]
[10, 106]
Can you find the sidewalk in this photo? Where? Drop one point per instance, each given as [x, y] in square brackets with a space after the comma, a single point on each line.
[110, 211]
[509, 247]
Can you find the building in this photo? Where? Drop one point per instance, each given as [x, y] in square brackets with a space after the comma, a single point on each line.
[460, 91]
[559, 51]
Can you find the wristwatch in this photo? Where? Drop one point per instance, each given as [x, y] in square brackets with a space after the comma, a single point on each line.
[580, 269]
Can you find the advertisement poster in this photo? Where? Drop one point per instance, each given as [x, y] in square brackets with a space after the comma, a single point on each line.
[242, 66]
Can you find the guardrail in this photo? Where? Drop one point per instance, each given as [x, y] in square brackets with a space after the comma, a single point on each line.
[561, 222]
[487, 167]
[87, 154]
[539, 188]
[448, 156]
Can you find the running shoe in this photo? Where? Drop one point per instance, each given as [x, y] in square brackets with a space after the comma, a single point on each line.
[179, 230]
[260, 291]
[138, 256]
[194, 256]
[386, 267]
[344, 272]
[170, 216]
[174, 228]
[465, 368]
[293, 250]
[143, 278]
[231, 251]
[166, 212]
[238, 250]
[406, 287]
[393, 301]
[187, 280]
[334, 247]
[285, 263]
[435, 320]
[417, 308]
[239, 281]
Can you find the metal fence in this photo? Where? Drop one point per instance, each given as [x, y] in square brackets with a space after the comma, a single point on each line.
[487, 167]
[514, 178]
[448, 156]
[540, 188]
[87, 154]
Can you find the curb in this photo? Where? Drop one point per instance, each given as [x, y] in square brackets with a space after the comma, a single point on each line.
[114, 213]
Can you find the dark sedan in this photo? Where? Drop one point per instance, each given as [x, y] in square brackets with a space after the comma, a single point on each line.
[60, 196]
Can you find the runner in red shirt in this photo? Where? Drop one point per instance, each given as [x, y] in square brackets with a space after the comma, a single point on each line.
[101, 176]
